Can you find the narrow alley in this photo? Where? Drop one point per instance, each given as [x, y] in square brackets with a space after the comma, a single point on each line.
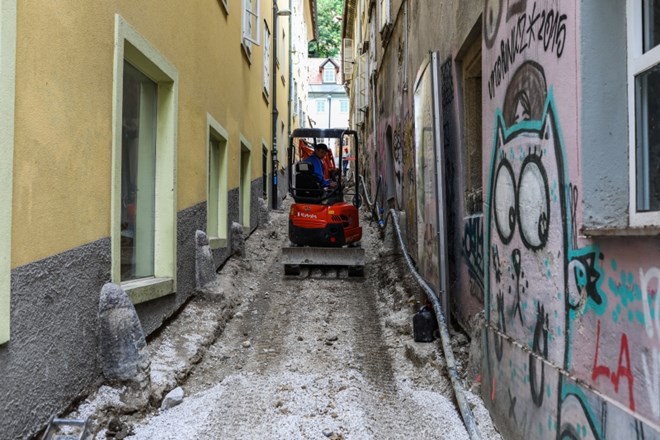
[320, 355]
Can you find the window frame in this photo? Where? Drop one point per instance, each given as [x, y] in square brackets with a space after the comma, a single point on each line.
[320, 105]
[343, 105]
[385, 15]
[217, 224]
[8, 94]
[132, 47]
[329, 67]
[251, 11]
[638, 63]
[266, 60]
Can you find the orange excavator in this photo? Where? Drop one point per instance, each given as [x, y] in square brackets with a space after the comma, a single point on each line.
[324, 223]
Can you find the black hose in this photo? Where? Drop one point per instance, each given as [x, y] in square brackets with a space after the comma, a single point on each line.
[459, 393]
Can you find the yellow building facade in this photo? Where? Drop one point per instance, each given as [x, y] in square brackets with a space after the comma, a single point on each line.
[126, 127]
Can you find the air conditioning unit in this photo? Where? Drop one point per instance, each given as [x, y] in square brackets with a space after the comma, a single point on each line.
[347, 58]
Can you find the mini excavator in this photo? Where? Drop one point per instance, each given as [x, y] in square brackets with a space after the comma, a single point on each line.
[324, 228]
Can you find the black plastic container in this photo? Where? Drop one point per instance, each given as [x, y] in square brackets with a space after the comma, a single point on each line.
[424, 325]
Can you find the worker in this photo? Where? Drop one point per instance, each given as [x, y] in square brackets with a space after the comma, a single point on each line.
[316, 160]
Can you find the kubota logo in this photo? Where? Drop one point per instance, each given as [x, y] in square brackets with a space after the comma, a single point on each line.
[305, 215]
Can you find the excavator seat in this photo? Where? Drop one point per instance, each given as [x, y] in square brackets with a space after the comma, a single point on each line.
[307, 187]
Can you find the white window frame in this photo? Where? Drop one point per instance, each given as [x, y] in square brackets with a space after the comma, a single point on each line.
[330, 68]
[7, 100]
[385, 16]
[266, 84]
[132, 47]
[320, 105]
[638, 62]
[251, 19]
[216, 219]
[343, 105]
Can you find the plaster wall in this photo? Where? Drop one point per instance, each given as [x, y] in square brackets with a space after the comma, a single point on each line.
[417, 29]
[571, 345]
[64, 83]
[54, 316]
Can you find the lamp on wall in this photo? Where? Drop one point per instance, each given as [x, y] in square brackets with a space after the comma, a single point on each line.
[275, 161]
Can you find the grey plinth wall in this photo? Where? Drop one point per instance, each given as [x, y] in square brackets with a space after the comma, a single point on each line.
[52, 357]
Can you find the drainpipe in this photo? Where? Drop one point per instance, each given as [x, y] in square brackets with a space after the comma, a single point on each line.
[275, 113]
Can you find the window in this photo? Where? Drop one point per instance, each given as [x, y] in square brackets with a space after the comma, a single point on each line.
[7, 91]
[216, 205]
[329, 73]
[266, 84]
[320, 105]
[143, 232]
[138, 174]
[250, 23]
[343, 105]
[384, 14]
[472, 149]
[644, 87]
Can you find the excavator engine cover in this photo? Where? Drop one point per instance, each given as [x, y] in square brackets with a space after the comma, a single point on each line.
[322, 225]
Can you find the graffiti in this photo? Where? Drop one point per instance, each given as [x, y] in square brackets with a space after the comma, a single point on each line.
[447, 83]
[540, 335]
[545, 27]
[515, 7]
[624, 368]
[501, 326]
[515, 256]
[585, 267]
[397, 146]
[649, 295]
[512, 406]
[493, 14]
[528, 229]
[473, 253]
[573, 190]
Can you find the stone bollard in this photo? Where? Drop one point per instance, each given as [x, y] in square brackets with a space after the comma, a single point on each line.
[122, 347]
[204, 264]
[264, 212]
[237, 240]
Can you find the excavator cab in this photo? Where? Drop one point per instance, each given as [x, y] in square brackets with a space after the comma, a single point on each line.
[324, 223]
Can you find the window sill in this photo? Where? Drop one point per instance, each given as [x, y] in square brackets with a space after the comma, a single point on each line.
[146, 289]
[623, 231]
[217, 243]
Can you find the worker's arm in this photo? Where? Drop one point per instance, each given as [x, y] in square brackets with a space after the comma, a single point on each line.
[318, 171]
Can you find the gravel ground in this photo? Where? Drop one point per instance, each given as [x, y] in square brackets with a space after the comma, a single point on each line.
[316, 356]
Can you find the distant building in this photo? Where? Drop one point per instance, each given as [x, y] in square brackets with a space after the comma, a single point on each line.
[326, 96]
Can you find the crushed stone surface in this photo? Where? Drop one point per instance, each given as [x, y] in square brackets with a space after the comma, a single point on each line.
[316, 356]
